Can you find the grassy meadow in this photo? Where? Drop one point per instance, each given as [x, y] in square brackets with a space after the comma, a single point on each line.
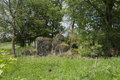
[6, 45]
[62, 68]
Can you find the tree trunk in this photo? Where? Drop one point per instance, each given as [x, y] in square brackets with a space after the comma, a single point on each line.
[52, 28]
[24, 38]
[24, 41]
[73, 26]
[13, 39]
[52, 33]
[108, 22]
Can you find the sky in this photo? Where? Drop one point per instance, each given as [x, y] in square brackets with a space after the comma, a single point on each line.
[66, 24]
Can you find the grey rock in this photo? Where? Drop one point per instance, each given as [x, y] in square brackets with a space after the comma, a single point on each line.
[44, 45]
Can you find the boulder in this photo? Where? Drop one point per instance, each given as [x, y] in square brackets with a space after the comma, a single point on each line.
[81, 48]
[44, 45]
[113, 52]
[33, 52]
[71, 36]
[74, 42]
[60, 48]
[72, 51]
[33, 45]
[26, 52]
[58, 39]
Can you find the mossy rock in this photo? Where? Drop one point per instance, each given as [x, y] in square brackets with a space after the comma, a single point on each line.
[26, 52]
[71, 36]
[60, 48]
[60, 36]
[43, 38]
[33, 52]
[33, 46]
[57, 40]
[72, 51]
[54, 39]
[44, 45]
[74, 42]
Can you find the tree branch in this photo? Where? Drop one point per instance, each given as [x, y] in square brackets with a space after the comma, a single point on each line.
[16, 6]
[9, 22]
[5, 2]
[99, 10]
[10, 8]
[4, 7]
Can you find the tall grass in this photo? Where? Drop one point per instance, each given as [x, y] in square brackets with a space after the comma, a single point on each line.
[31, 68]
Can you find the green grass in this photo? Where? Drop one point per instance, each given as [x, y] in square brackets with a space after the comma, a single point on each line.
[63, 69]
[8, 47]
[31, 68]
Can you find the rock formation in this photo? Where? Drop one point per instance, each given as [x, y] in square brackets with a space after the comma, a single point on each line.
[26, 52]
[33, 45]
[58, 39]
[74, 43]
[44, 45]
[60, 48]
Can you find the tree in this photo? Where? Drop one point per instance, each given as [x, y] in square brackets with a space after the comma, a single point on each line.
[9, 14]
[38, 18]
[49, 14]
[97, 17]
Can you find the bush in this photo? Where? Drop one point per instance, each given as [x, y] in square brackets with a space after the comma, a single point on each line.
[67, 40]
[92, 51]
[4, 62]
[91, 46]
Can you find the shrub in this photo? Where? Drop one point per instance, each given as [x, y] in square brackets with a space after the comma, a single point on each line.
[92, 51]
[5, 61]
[67, 40]
[91, 46]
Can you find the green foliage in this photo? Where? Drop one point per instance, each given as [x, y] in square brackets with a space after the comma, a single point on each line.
[38, 18]
[94, 18]
[67, 40]
[5, 61]
[91, 51]
[47, 47]
[91, 45]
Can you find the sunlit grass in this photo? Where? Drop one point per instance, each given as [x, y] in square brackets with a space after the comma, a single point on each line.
[7, 45]
[63, 68]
